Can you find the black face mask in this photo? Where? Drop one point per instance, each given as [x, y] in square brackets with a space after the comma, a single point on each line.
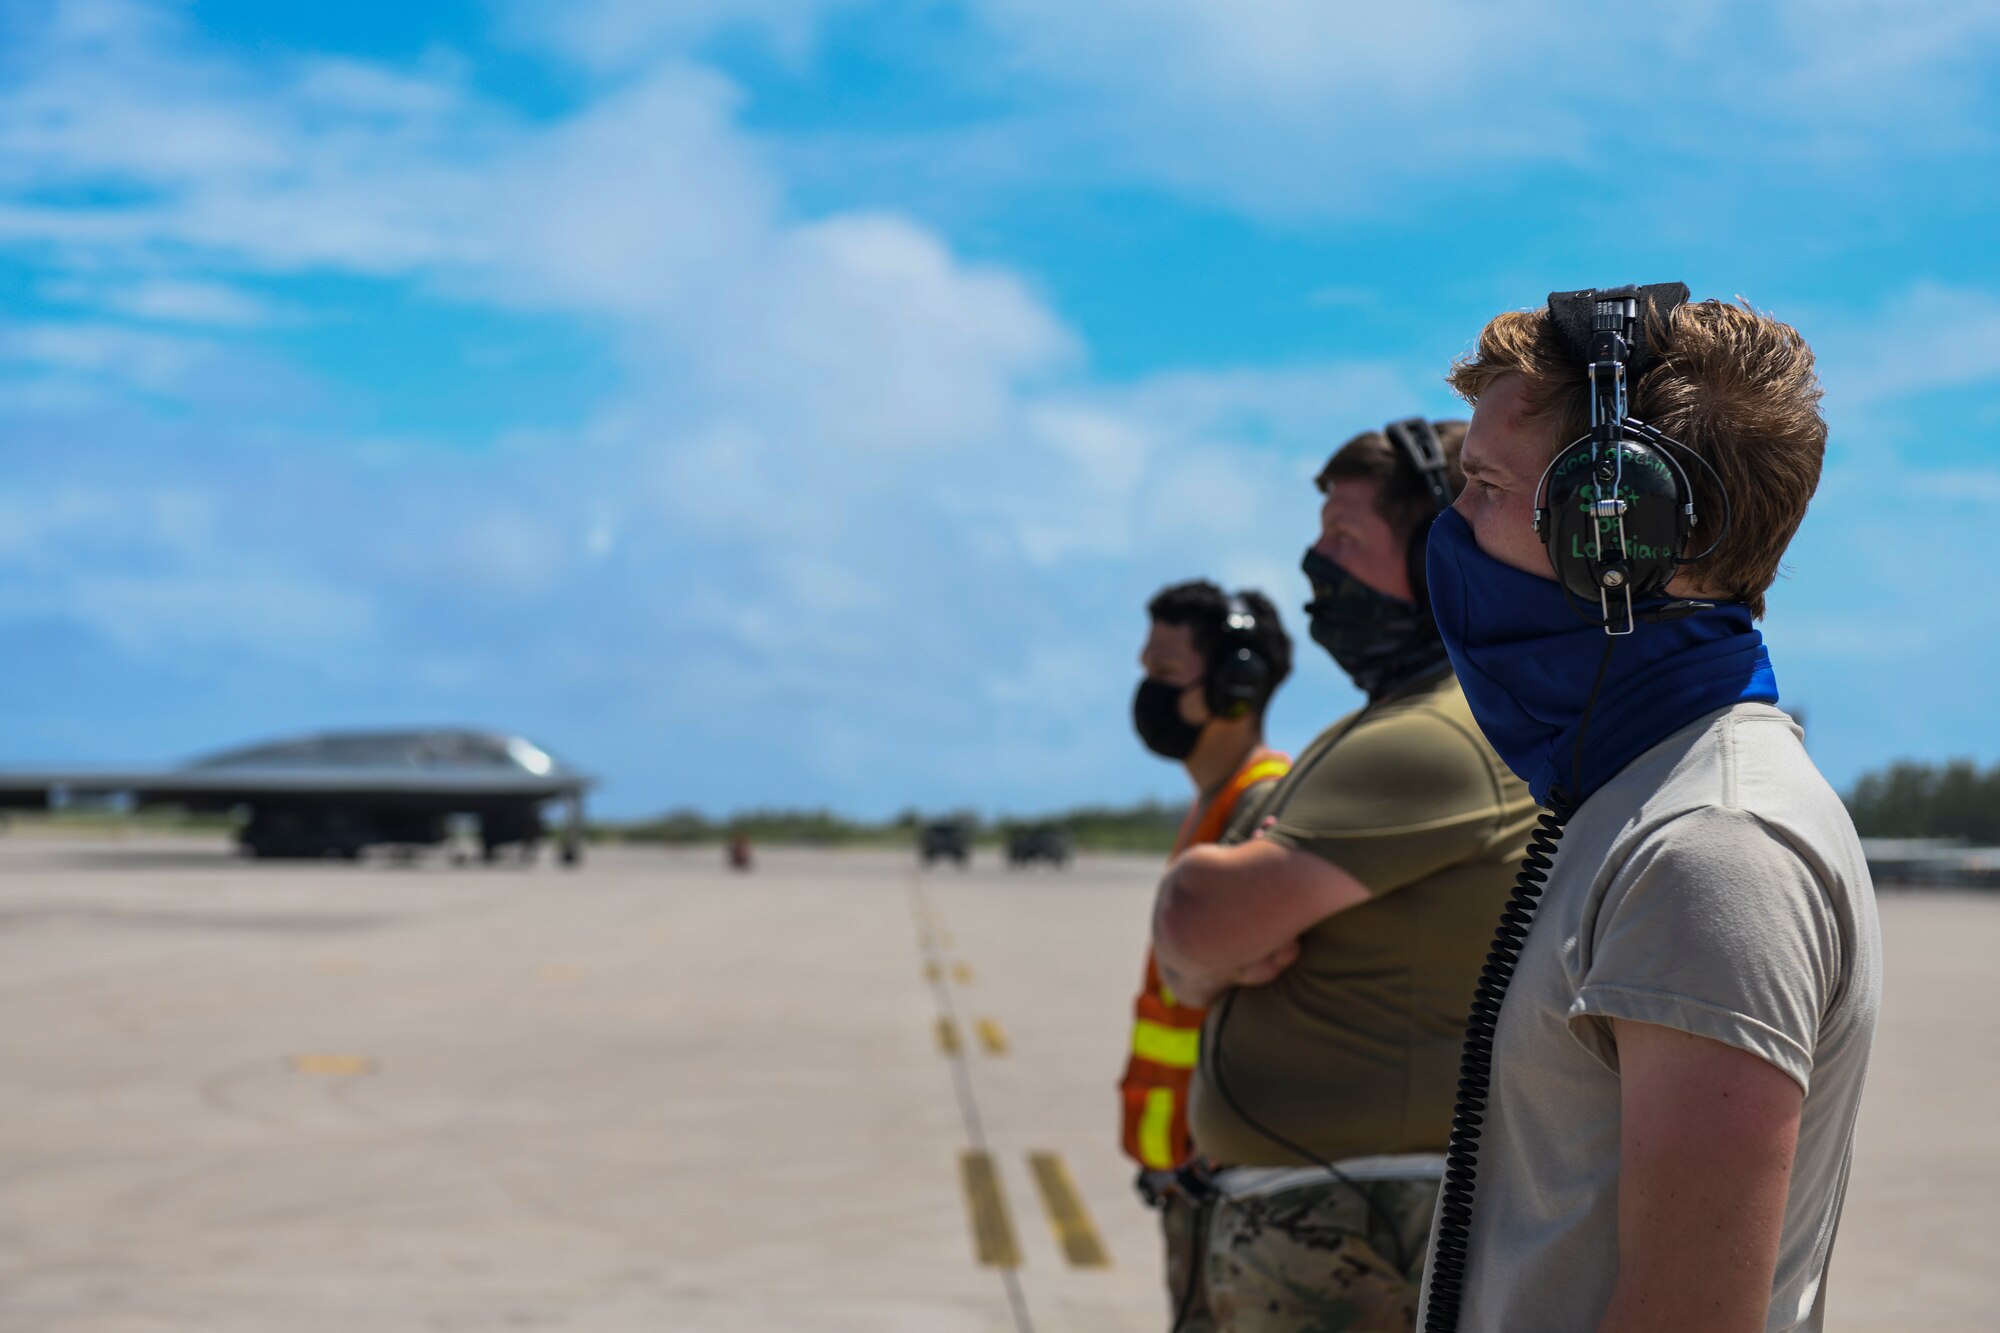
[1379, 640]
[1156, 716]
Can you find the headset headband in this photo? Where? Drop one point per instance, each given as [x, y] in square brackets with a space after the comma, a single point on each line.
[1422, 450]
[1572, 316]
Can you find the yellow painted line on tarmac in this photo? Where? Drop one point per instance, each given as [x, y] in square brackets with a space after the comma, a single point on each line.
[986, 1207]
[962, 973]
[947, 1036]
[992, 1036]
[333, 1066]
[1068, 1218]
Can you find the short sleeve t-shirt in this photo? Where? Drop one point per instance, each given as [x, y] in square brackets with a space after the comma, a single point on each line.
[1354, 1049]
[1715, 886]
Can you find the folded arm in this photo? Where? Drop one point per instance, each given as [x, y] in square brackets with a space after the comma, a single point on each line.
[1231, 916]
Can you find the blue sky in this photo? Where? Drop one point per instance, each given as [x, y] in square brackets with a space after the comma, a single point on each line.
[795, 401]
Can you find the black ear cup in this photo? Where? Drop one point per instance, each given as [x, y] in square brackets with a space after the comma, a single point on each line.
[1616, 522]
[1239, 678]
[1237, 683]
[1420, 448]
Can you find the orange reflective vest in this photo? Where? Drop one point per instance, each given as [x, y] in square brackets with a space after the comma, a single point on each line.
[1166, 1035]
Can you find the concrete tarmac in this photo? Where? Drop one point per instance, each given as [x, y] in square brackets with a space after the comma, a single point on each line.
[832, 1094]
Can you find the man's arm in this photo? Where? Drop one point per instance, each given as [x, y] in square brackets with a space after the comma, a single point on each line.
[1231, 916]
[1704, 1170]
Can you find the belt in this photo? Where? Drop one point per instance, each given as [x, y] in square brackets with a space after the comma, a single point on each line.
[1237, 1183]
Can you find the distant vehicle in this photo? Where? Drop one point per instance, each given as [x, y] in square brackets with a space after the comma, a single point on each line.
[945, 840]
[339, 792]
[1041, 842]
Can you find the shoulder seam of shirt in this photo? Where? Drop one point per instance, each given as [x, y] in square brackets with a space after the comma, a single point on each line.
[1837, 989]
[1728, 739]
[1487, 762]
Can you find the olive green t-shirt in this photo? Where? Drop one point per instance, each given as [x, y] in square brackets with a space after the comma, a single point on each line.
[1354, 1049]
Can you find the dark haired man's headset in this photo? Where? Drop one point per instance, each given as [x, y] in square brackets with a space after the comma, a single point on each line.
[1614, 510]
[1238, 680]
[1417, 444]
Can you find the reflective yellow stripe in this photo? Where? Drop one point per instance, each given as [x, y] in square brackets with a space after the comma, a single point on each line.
[1269, 768]
[1156, 1124]
[1176, 1048]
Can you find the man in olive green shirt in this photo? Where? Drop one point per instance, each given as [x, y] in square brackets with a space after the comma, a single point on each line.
[1339, 948]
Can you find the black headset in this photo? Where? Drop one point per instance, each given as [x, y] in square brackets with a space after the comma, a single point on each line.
[1239, 674]
[1615, 508]
[1417, 444]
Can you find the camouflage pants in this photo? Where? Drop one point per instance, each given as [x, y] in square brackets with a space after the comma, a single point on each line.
[1317, 1257]
[1179, 1222]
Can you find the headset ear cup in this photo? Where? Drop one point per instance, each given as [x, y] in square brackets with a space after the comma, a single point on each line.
[1237, 684]
[1654, 523]
[1239, 676]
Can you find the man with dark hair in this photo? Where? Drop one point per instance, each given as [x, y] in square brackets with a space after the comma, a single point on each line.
[1339, 947]
[1212, 663]
[1677, 1064]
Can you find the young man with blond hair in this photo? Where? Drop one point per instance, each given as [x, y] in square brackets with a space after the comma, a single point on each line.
[1678, 1061]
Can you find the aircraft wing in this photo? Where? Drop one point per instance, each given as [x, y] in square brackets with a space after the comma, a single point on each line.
[220, 788]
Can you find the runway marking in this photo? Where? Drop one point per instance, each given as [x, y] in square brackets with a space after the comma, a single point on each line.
[333, 1066]
[993, 1233]
[1069, 1219]
[962, 973]
[992, 1036]
[986, 1205]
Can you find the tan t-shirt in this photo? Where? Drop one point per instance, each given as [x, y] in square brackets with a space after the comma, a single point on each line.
[1715, 886]
[1354, 1049]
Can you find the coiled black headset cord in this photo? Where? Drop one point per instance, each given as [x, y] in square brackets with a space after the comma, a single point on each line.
[1453, 1232]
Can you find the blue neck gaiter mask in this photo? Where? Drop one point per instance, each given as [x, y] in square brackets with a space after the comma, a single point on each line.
[1527, 663]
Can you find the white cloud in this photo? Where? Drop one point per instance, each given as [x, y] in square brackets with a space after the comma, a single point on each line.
[275, 617]
[622, 34]
[142, 359]
[835, 435]
[1927, 338]
[1297, 107]
[172, 301]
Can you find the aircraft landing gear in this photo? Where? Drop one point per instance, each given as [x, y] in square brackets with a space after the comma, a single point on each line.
[571, 842]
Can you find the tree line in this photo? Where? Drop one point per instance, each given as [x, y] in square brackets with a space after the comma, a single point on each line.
[1148, 826]
[1908, 799]
[1914, 799]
